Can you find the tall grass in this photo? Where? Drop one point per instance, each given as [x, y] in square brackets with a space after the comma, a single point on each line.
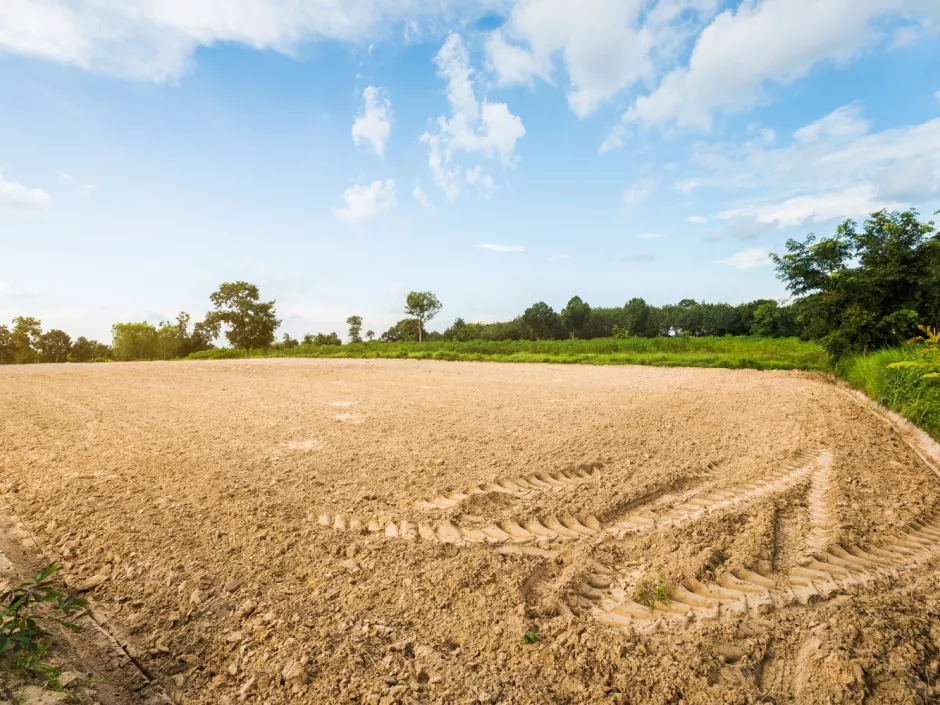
[902, 390]
[729, 352]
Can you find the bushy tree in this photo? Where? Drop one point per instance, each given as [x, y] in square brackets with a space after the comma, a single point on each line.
[575, 316]
[865, 288]
[25, 334]
[370, 335]
[327, 339]
[422, 306]
[54, 346]
[355, 329]
[134, 341]
[84, 350]
[288, 343]
[7, 347]
[250, 322]
[407, 330]
[540, 321]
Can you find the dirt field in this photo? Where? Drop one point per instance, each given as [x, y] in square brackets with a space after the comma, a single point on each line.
[312, 531]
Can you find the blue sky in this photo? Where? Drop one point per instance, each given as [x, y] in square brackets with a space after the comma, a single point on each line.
[339, 153]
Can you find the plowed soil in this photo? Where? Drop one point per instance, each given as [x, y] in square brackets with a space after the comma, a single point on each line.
[317, 531]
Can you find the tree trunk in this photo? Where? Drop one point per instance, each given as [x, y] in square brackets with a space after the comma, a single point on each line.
[420, 327]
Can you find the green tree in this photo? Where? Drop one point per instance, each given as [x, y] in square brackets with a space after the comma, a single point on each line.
[575, 316]
[422, 306]
[288, 343]
[327, 339]
[406, 330]
[540, 321]
[84, 350]
[355, 329]
[134, 341]
[7, 347]
[26, 333]
[251, 322]
[865, 288]
[370, 334]
[54, 346]
[197, 340]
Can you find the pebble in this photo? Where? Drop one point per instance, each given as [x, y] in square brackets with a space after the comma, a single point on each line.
[231, 585]
[234, 637]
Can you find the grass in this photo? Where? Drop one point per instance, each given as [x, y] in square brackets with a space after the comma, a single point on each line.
[651, 589]
[901, 390]
[727, 352]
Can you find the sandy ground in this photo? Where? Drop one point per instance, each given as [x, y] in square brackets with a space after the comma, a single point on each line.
[317, 531]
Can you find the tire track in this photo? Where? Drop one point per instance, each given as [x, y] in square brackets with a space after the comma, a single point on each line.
[533, 482]
[743, 592]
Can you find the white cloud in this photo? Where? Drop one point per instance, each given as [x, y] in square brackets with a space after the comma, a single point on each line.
[782, 41]
[639, 191]
[374, 124]
[16, 197]
[156, 39]
[605, 46]
[832, 168]
[501, 248]
[937, 95]
[697, 219]
[650, 236]
[85, 190]
[367, 202]
[854, 202]
[477, 177]
[64, 177]
[747, 259]
[473, 126]
[614, 140]
[422, 197]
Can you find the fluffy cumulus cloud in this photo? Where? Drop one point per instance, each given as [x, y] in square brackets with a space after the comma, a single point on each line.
[782, 41]
[373, 125]
[16, 197]
[747, 259]
[473, 126]
[831, 168]
[156, 39]
[366, 202]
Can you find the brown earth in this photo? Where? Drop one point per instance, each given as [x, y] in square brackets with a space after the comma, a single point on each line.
[314, 531]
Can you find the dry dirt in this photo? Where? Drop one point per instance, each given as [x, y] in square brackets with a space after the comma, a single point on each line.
[313, 531]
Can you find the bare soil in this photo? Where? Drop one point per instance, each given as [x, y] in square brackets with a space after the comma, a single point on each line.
[325, 531]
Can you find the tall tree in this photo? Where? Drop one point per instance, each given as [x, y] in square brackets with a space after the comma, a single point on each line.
[866, 288]
[251, 322]
[540, 321]
[26, 333]
[7, 347]
[422, 306]
[355, 329]
[84, 350]
[575, 316]
[54, 346]
[370, 334]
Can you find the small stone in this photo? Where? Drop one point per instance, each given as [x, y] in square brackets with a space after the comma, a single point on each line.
[247, 688]
[197, 597]
[233, 669]
[90, 583]
[66, 678]
[438, 461]
[350, 566]
[231, 585]
[294, 672]
[234, 637]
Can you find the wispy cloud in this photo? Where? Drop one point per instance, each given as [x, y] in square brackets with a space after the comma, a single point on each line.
[697, 219]
[501, 248]
[651, 236]
[639, 191]
[367, 202]
[747, 259]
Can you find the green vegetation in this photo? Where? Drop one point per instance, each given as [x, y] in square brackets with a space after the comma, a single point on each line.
[531, 637]
[651, 589]
[894, 378]
[729, 352]
[23, 639]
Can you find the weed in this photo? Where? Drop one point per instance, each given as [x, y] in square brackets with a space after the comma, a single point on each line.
[23, 640]
[531, 637]
[652, 588]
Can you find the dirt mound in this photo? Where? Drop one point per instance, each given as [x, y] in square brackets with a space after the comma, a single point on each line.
[483, 533]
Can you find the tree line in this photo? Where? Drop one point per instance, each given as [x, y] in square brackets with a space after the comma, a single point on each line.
[859, 289]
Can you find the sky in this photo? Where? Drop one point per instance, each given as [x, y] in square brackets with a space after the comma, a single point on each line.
[340, 153]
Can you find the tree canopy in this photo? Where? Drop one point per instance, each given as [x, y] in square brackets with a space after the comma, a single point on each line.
[250, 322]
[422, 306]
